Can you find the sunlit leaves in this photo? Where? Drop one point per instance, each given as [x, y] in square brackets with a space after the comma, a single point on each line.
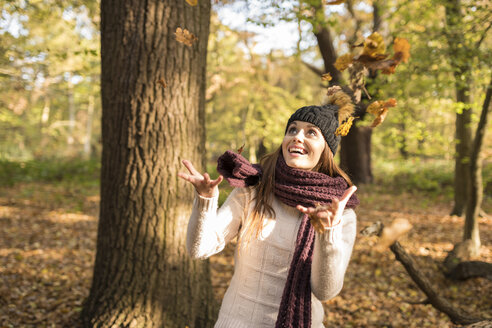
[374, 46]
[184, 36]
[344, 128]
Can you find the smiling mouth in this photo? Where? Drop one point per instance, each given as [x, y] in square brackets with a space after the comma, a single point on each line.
[297, 150]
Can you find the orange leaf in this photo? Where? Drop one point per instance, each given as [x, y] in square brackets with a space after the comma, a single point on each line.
[162, 82]
[184, 36]
[240, 150]
[380, 118]
[401, 48]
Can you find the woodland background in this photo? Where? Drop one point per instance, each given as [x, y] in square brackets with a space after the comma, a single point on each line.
[50, 147]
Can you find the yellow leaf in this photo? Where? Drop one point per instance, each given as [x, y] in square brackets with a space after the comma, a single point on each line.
[184, 36]
[326, 77]
[374, 45]
[343, 62]
[343, 129]
[192, 2]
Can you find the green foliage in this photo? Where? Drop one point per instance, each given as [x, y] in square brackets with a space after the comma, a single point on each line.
[250, 98]
[49, 73]
[83, 172]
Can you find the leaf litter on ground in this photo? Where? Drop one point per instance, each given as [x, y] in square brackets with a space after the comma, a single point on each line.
[48, 240]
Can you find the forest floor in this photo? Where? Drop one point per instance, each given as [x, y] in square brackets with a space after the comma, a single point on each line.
[48, 239]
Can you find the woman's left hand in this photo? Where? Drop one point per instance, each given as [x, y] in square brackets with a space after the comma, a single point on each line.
[323, 217]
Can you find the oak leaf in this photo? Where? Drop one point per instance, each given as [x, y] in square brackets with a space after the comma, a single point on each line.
[374, 45]
[184, 36]
[343, 62]
[380, 118]
[343, 129]
[376, 107]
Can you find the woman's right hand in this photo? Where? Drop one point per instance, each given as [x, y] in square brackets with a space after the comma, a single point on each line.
[203, 185]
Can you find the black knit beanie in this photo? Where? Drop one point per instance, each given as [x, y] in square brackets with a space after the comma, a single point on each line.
[324, 117]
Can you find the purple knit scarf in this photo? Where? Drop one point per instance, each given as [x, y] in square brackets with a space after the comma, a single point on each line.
[292, 187]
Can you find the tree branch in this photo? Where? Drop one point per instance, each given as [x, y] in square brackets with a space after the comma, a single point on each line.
[484, 34]
[318, 71]
[456, 315]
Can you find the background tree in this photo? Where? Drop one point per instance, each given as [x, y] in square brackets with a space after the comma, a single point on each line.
[153, 97]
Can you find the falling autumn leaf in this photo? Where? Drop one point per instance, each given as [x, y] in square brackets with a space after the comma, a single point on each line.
[391, 234]
[192, 2]
[374, 45]
[326, 77]
[343, 129]
[380, 118]
[343, 62]
[334, 2]
[401, 48]
[377, 106]
[162, 82]
[184, 36]
[240, 150]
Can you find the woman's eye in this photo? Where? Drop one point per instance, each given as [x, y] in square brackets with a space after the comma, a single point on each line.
[313, 132]
[292, 130]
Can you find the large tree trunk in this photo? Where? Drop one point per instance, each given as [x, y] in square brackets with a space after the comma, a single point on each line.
[142, 275]
[355, 154]
[459, 54]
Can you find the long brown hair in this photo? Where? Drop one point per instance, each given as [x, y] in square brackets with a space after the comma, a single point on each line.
[264, 189]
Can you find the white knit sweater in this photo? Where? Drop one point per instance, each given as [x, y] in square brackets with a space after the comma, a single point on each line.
[261, 268]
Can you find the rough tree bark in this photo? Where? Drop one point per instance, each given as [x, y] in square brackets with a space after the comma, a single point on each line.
[142, 275]
[460, 57]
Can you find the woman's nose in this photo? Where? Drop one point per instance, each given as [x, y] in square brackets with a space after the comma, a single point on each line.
[299, 136]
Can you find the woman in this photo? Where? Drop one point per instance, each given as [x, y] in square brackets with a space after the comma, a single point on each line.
[292, 252]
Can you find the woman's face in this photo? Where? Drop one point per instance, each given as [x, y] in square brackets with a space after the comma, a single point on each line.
[303, 145]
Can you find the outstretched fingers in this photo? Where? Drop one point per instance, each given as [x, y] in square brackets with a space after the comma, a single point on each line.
[190, 167]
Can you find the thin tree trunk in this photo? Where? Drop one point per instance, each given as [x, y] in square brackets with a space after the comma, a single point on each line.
[88, 128]
[143, 276]
[476, 187]
[71, 115]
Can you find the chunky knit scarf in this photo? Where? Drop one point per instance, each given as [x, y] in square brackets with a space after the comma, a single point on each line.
[292, 187]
